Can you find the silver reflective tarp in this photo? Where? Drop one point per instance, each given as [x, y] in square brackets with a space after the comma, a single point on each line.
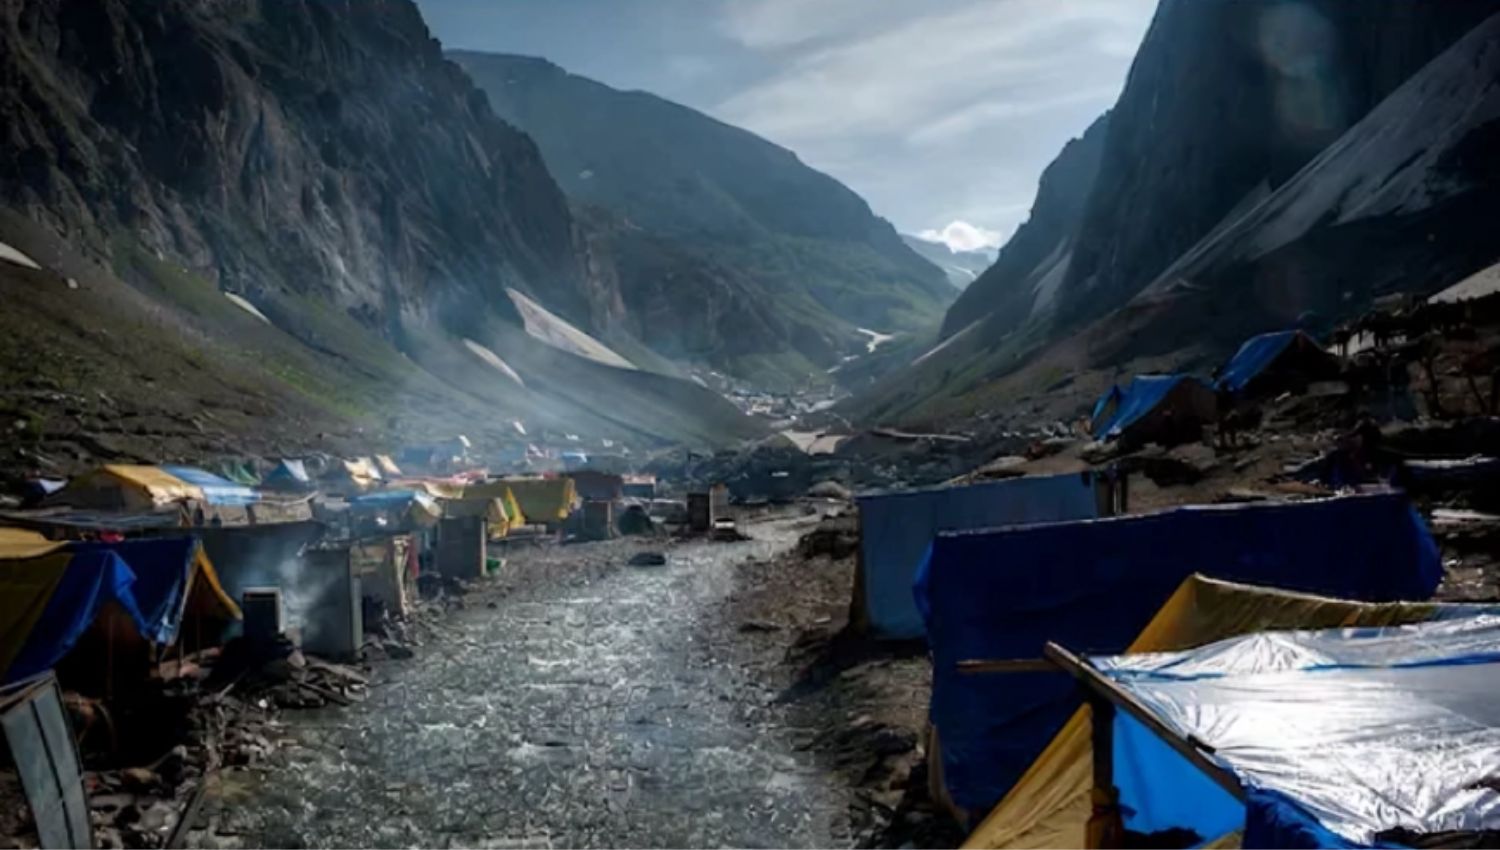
[1364, 729]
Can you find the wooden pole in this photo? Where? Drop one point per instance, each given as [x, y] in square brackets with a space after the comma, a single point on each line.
[1102, 689]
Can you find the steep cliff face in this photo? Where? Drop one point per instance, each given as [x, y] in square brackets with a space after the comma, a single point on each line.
[324, 146]
[1249, 183]
[811, 248]
[323, 161]
[1224, 98]
[1023, 281]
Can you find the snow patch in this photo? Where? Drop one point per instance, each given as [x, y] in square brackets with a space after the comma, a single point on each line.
[243, 303]
[552, 329]
[947, 342]
[12, 255]
[877, 339]
[494, 360]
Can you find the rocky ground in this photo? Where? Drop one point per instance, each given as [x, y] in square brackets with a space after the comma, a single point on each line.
[583, 701]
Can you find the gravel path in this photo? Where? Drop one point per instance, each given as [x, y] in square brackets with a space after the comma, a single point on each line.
[576, 714]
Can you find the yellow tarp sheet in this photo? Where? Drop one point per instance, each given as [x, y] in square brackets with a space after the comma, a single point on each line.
[26, 586]
[436, 488]
[363, 472]
[203, 568]
[388, 466]
[528, 499]
[1049, 806]
[18, 543]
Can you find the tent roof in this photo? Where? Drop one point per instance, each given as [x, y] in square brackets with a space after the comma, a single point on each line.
[293, 470]
[1256, 355]
[1139, 398]
[215, 489]
[1050, 805]
[1358, 730]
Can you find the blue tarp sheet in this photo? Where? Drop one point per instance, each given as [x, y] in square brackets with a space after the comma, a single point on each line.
[1338, 735]
[1092, 586]
[216, 490]
[1139, 398]
[162, 569]
[92, 578]
[896, 529]
[1254, 356]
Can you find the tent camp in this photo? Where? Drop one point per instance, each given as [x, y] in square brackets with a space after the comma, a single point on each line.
[289, 475]
[404, 509]
[897, 527]
[51, 593]
[1050, 805]
[993, 599]
[542, 500]
[146, 488]
[1355, 737]
[1165, 409]
[1276, 362]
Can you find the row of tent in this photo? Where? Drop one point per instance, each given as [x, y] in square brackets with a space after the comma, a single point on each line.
[1170, 407]
[992, 574]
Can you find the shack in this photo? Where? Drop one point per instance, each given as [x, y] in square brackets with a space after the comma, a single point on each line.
[1273, 363]
[1165, 409]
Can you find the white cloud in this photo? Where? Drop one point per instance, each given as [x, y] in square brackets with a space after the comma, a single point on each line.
[955, 106]
[963, 236]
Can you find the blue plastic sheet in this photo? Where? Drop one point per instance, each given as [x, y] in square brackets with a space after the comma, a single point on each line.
[1340, 734]
[896, 529]
[1137, 400]
[216, 490]
[1092, 586]
[162, 568]
[1253, 357]
[91, 578]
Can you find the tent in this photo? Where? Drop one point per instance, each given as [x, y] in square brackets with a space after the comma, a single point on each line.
[1274, 362]
[993, 599]
[356, 475]
[145, 488]
[405, 508]
[387, 466]
[542, 500]
[897, 527]
[289, 475]
[496, 489]
[173, 576]
[1050, 804]
[1353, 737]
[1155, 408]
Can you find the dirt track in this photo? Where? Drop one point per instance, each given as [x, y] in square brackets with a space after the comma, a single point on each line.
[588, 709]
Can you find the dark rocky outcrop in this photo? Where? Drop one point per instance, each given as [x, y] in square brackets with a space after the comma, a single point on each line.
[1026, 275]
[1225, 100]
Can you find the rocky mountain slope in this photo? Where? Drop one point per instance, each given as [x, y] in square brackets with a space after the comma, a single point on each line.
[696, 205]
[1026, 276]
[1322, 160]
[321, 161]
[961, 267]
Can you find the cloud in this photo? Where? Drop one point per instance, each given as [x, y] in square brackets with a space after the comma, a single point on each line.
[957, 105]
[963, 236]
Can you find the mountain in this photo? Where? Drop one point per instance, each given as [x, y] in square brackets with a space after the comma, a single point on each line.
[695, 204]
[1025, 277]
[961, 267]
[1266, 163]
[324, 164]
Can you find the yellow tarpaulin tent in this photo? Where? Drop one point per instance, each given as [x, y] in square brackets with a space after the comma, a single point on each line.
[1051, 804]
[128, 487]
[29, 574]
[531, 499]
[16, 543]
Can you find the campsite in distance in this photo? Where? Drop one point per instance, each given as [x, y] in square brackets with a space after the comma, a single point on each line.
[753, 423]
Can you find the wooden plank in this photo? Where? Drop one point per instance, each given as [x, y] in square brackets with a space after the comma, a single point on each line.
[1102, 686]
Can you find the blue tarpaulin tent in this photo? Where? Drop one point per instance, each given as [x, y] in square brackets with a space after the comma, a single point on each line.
[1334, 737]
[216, 490]
[1001, 595]
[1260, 354]
[1142, 404]
[52, 600]
[896, 529]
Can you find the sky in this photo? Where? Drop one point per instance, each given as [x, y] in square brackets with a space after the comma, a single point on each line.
[940, 113]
